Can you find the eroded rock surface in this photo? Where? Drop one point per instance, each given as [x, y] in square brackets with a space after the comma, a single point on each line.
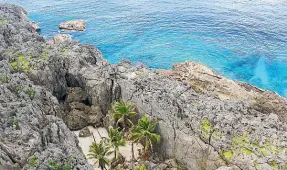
[31, 135]
[62, 37]
[206, 121]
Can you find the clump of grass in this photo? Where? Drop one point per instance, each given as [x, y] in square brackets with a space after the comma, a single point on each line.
[67, 165]
[34, 162]
[30, 92]
[15, 123]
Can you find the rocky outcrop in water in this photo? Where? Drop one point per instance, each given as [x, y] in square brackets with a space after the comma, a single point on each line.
[78, 25]
[206, 121]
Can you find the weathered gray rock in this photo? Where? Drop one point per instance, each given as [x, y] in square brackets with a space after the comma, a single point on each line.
[78, 25]
[85, 132]
[30, 133]
[200, 129]
[62, 37]
[224, 168]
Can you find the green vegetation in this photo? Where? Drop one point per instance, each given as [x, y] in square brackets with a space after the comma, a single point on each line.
[208, 131]
[205, 128]
[3, 22]
[144, 133]
[123, 113]
[22, 64]
[142, 167]
[228, 155]
[30, 92]
[34, 162]
[15, 123]
[116, 139]
[273, 164]
[100, 151]
[4, 79]
[55, 166]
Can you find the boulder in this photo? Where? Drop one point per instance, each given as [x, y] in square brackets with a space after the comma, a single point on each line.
[82, 115]
[76, 120]
[85, 132]
[78, 25]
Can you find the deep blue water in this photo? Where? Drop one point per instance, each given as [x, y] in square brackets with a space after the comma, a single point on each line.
[244, 40]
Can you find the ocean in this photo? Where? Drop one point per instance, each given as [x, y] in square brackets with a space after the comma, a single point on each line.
[243, 40]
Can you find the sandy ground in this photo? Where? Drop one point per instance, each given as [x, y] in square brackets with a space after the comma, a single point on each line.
[102, 132]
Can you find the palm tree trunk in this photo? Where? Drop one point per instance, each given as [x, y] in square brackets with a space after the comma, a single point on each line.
[115, 153]
[133, 155]
[102, 166]
[125, 124]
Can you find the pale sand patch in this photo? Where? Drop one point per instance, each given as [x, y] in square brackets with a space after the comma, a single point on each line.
[85, 143]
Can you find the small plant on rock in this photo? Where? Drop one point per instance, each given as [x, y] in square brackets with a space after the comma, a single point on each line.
[30, 92]
[34, 162]
[55, 166]
[142, 167]
[15, 123]
[4, 79]
[22, 64]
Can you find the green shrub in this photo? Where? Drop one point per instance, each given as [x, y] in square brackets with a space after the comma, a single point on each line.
[55, 166]
[15, 123]
[30, 92]
[22, 64]
[34, 162]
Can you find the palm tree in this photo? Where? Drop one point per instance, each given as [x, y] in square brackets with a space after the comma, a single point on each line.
[143, 133]
[100, 151]
[123, 112]
[116, 139]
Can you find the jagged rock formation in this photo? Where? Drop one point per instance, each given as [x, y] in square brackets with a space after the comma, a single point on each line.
[31, 136]
[206, 121]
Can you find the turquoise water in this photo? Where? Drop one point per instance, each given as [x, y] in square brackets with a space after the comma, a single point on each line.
[244, 40]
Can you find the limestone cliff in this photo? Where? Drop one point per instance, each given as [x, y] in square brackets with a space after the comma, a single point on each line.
[206, 121]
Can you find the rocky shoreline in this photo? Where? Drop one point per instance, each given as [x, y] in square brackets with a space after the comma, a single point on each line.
[48, 89]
